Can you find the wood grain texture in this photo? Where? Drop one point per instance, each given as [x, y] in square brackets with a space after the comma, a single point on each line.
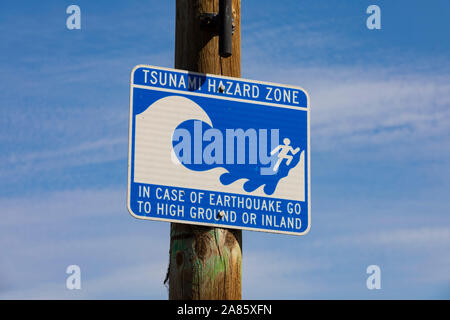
[197, 49]
[205, 263]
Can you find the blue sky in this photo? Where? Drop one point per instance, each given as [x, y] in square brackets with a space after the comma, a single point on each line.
[380, 147]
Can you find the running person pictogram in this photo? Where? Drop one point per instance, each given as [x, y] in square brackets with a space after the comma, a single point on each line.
[284, 150]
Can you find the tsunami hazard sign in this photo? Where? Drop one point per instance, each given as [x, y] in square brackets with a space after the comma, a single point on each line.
[218, 151]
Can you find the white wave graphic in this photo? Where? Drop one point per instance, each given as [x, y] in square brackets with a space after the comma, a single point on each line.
[156, 163]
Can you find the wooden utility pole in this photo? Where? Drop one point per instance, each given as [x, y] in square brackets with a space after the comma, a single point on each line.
[205, 263]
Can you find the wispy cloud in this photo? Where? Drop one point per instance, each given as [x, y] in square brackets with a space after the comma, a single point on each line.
[61, 206]
[272, 272]
[119, 256]
[86, 153]
[91, 228]
[405, 239]
[363, 107]
[130, 282]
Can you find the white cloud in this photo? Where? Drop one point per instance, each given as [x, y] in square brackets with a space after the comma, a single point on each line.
[75, 154]
[404, 239]
[129, 282]
[368, 106]
[61, 206]
[271, 273]
[350, 108]
[119, 256]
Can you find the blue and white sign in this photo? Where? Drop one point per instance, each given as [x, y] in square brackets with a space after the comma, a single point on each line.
[218, 151]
